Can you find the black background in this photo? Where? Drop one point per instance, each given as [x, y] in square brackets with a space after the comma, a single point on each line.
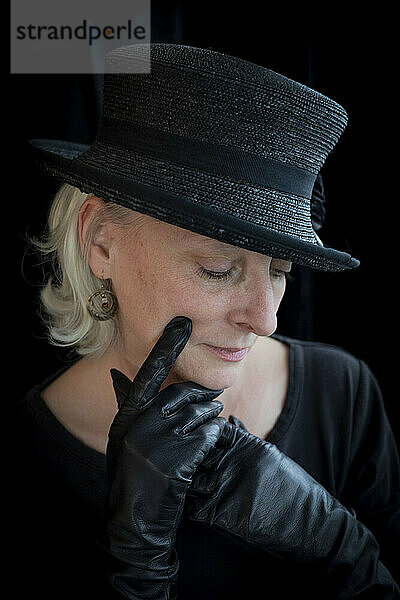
[350, 58]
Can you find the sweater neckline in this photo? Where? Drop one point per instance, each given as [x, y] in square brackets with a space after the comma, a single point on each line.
[295, 386]
[95, 458]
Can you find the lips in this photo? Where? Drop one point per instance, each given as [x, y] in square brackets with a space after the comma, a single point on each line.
[229, 349]
[228, 354]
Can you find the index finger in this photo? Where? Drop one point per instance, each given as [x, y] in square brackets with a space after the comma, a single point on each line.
[160, 361]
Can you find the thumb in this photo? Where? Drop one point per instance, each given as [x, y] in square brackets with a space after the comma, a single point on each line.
[122, 386]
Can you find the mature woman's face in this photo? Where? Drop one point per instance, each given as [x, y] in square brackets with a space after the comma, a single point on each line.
[231, 295]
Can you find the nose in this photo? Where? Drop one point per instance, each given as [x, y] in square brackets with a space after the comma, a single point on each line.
[256, 309]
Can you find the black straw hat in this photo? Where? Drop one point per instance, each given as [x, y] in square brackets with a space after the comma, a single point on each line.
[211, 143]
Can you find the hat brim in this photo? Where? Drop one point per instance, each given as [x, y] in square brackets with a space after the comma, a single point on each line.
[61, 159]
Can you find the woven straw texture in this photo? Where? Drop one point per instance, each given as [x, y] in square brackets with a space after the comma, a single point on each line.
[206, 96]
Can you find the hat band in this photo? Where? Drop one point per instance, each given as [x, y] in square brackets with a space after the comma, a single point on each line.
[222, 161]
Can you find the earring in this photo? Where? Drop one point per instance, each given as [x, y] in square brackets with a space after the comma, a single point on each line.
[102, 304]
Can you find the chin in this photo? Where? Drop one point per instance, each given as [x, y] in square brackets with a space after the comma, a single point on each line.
[209, 376]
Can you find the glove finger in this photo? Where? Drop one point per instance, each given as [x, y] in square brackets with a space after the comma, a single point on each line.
[122, 386]
[155, 368]
[160, 361]
[195, 415]
[184, 394]
[210, 461]
[227, 437]
[215, 454]
[205, 479]
[196, 444]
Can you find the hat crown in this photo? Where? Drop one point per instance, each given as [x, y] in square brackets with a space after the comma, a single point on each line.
[204, 95]
[211, 143]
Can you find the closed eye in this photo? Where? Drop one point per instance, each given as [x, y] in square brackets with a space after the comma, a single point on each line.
[215, 274]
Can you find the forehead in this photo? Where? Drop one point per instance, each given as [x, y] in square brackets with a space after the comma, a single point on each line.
[210, 246]
[196, 241]
[187, 242]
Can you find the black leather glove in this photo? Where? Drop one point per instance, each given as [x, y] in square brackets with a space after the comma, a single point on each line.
[156, 441]
[251, 491]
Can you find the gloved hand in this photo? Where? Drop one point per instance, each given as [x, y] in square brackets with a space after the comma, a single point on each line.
[252, 492]
[156, 441]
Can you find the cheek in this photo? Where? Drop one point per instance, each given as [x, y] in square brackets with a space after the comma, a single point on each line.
[151, 292]
[136, 284]
[192, 300]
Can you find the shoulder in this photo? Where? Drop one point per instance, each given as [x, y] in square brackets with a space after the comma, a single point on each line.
[315, 349]
[31, 405]
[328, 360]
[334, 375]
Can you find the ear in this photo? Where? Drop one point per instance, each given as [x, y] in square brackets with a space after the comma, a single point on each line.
[99, 239]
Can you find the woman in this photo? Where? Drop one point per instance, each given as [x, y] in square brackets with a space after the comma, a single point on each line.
[173, 235]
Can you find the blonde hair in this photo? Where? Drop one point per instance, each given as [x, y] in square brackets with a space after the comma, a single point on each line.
[64, 296]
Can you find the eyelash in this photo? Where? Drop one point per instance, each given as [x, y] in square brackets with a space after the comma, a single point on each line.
[221, 275]
[215, 274]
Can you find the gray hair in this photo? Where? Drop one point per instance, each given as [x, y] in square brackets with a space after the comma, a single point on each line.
[64, 297]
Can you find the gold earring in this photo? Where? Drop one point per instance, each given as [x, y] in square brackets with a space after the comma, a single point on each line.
[102, 304]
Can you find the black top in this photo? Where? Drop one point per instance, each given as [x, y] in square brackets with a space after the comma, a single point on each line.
[333, 424]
